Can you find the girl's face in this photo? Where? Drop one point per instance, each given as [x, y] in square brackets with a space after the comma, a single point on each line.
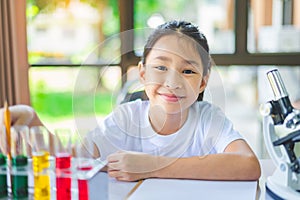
[172, 74]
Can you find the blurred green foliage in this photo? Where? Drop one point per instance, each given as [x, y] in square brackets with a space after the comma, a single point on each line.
[52, 106]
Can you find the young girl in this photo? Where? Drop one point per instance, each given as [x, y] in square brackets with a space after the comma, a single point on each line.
[174, 134]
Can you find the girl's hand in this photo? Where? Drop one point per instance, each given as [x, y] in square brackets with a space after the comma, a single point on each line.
[20, 115]
[131, 166]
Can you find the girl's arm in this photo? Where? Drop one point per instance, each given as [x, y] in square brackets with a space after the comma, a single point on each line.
[238, 162]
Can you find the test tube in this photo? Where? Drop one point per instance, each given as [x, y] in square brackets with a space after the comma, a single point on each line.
[63, 151]
[19, 181]
[39, 140]
[84, 154]
[3, 163]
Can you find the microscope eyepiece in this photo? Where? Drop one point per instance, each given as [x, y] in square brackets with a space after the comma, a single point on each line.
[277, 84]
[281, 106]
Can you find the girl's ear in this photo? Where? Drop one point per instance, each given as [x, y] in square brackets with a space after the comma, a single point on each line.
[141, 71]
[204, 82]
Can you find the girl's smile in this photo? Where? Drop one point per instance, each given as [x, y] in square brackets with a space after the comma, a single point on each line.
[170, 97]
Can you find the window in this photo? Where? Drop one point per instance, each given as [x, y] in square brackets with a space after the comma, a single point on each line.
[72, 32]
[214, 18]
[69, 40]
[274, 26]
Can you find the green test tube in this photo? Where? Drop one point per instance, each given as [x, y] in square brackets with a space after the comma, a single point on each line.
[3, 177]
[19, 176]
[19, 162]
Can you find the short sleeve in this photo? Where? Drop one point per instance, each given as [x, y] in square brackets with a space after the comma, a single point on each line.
[218, 130]
[228, 135]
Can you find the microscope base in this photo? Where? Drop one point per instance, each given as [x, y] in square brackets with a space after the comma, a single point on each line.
[277, 191]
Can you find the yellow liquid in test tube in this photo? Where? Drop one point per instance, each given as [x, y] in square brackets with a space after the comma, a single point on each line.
[41, 164]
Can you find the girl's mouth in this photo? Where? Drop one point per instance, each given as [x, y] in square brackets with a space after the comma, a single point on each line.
[171, 97]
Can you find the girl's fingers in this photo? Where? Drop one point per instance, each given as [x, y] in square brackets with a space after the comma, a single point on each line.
[113, 166]
[120, 176]
[115, 173]
[123, 176]
[111, 159]
[114, 157]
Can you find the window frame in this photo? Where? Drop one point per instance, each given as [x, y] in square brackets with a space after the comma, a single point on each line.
[241, 56]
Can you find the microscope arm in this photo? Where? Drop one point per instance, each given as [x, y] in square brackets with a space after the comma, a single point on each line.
[289, 143]
[269, 137]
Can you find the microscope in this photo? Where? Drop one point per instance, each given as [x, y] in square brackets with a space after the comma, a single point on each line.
[285, 181]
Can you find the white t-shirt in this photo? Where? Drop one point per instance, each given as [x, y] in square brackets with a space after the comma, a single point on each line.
[206, 131]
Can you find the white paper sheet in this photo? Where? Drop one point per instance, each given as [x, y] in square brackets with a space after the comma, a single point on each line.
[195, 189]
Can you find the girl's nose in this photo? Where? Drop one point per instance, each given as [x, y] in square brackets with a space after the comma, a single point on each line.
[173, 80]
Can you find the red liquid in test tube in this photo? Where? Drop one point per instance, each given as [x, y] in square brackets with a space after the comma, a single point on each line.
[83, 184]
[63, 176]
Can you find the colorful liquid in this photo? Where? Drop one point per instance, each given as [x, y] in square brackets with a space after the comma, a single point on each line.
[63, 161]
[83, 184]
[63, 176]
[84, 167]
[3, 181]
[63, 188]
[42, 187]
[19, 177]
[83, 189]
[20, 186]
[40, 162]
[3, 186]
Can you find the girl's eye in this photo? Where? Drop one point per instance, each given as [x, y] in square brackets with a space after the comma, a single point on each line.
[188, 71]
[162, 68]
